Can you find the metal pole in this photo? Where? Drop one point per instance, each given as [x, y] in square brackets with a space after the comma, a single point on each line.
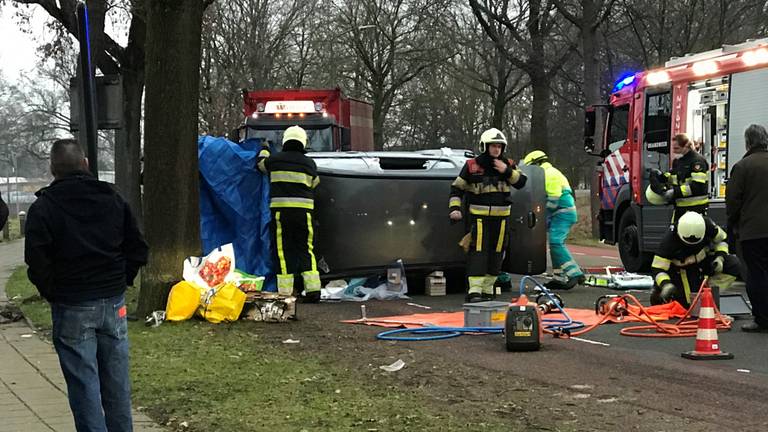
[88, 89]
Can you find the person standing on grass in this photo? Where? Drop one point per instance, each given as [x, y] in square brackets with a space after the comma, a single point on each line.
[83, 248]
[3, 212]
[746, 203]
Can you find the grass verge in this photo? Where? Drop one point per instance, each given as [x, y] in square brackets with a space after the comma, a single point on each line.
[13, 230]
[196, 376]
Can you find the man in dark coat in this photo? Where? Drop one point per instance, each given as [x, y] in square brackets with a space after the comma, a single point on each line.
[746, 204]
[83, 249]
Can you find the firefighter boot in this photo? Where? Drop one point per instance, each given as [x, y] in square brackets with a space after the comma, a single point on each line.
[475, 293]
[310, 297]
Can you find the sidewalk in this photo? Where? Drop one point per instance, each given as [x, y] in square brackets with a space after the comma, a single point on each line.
[32, 389]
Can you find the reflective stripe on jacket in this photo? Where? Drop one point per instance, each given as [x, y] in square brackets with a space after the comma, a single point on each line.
[292, 178]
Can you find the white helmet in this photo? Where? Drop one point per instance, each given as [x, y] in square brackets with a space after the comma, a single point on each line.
[492, 136]
[691, 228]
[295, 133]
[653, 197]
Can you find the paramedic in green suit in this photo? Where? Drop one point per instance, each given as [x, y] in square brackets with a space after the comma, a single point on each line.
[561, 215]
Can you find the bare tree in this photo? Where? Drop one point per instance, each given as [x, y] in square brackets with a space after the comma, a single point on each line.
[540, 49]
[112, 58]
[394, 42]
[246, 45]
[588, 16]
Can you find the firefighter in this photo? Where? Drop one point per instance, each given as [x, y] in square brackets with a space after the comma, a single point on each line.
[686, 185]
[693, 248]
[484, 183]
[561, 215]
[293, 179]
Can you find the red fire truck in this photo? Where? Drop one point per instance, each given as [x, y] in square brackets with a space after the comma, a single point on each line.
[333, 121]
[712, 96]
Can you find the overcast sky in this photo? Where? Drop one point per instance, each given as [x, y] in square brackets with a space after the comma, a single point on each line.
[17, 49]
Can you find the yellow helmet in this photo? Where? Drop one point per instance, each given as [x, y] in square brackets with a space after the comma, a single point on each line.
[653, 197]
[535, 157]
[691, 228]
[492, 136]
[295, 133]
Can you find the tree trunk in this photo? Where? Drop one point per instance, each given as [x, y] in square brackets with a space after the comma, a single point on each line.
[128, 139]
[128, 143]
[540, 111]
[171, 189]
[378, 119]
[592, 94]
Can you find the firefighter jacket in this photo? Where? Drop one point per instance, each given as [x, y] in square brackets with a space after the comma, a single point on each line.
[674, 252]
[559, 193]
[292, 178]
[688, 179]
[485, 189]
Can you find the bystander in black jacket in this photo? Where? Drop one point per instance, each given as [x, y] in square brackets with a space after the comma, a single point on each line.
[747, 207]
[82, 241]
[3, 212]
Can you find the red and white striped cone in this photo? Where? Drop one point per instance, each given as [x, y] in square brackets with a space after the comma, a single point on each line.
[707, 346]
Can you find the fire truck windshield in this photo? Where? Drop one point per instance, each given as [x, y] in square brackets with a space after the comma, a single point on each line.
[319, 140]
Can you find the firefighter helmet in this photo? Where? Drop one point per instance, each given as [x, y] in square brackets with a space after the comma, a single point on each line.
[295, 133]
[653, 197]
[536, 157]
[492, 136]
[691, 228]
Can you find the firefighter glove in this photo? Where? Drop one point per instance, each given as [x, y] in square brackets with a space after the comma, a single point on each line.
[455, 215]
[717, 265]
[667, 291]
[658, 182]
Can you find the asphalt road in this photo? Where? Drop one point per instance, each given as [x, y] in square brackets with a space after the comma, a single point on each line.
[614, 383]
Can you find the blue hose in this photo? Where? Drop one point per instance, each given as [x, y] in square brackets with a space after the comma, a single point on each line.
[551, 324]
[435, 333]
[439, 333]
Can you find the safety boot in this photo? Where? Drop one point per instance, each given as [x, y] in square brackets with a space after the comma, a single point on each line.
[474, 297]
[310, 297]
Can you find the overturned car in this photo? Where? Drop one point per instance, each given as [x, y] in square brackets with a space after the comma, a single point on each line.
[371, 209]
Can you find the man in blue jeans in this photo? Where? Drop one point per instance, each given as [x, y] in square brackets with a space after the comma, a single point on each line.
[83, 248]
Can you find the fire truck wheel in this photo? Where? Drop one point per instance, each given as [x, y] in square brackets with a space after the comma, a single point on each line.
[633, 258]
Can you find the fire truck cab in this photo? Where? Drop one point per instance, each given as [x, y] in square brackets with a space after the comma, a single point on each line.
[712, 96]
[333, 121]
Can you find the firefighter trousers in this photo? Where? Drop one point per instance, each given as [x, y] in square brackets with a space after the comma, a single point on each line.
[560, 224]
[486, 252]
[293, 245]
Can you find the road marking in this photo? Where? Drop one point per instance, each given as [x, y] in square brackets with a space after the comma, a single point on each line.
[590, 341]
[579, 253]
[608, 257]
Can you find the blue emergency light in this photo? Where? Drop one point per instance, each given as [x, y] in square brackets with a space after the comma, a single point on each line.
[623, 82]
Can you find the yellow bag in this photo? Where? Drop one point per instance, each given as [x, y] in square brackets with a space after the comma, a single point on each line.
[183, 301]
[223, 303]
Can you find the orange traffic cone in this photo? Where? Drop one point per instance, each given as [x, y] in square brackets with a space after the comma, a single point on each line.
[707, 346]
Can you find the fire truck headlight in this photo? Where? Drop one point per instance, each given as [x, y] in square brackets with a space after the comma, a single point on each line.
[656, 78]
[706, 67]
[756, 57]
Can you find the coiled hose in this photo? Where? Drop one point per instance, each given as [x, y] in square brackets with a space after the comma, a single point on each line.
[427, 333]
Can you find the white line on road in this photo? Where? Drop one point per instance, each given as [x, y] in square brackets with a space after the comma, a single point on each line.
[590, 341]
[608, 257]
[579, 253]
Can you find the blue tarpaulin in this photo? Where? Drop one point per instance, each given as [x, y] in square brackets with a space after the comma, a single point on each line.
[234, 204]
